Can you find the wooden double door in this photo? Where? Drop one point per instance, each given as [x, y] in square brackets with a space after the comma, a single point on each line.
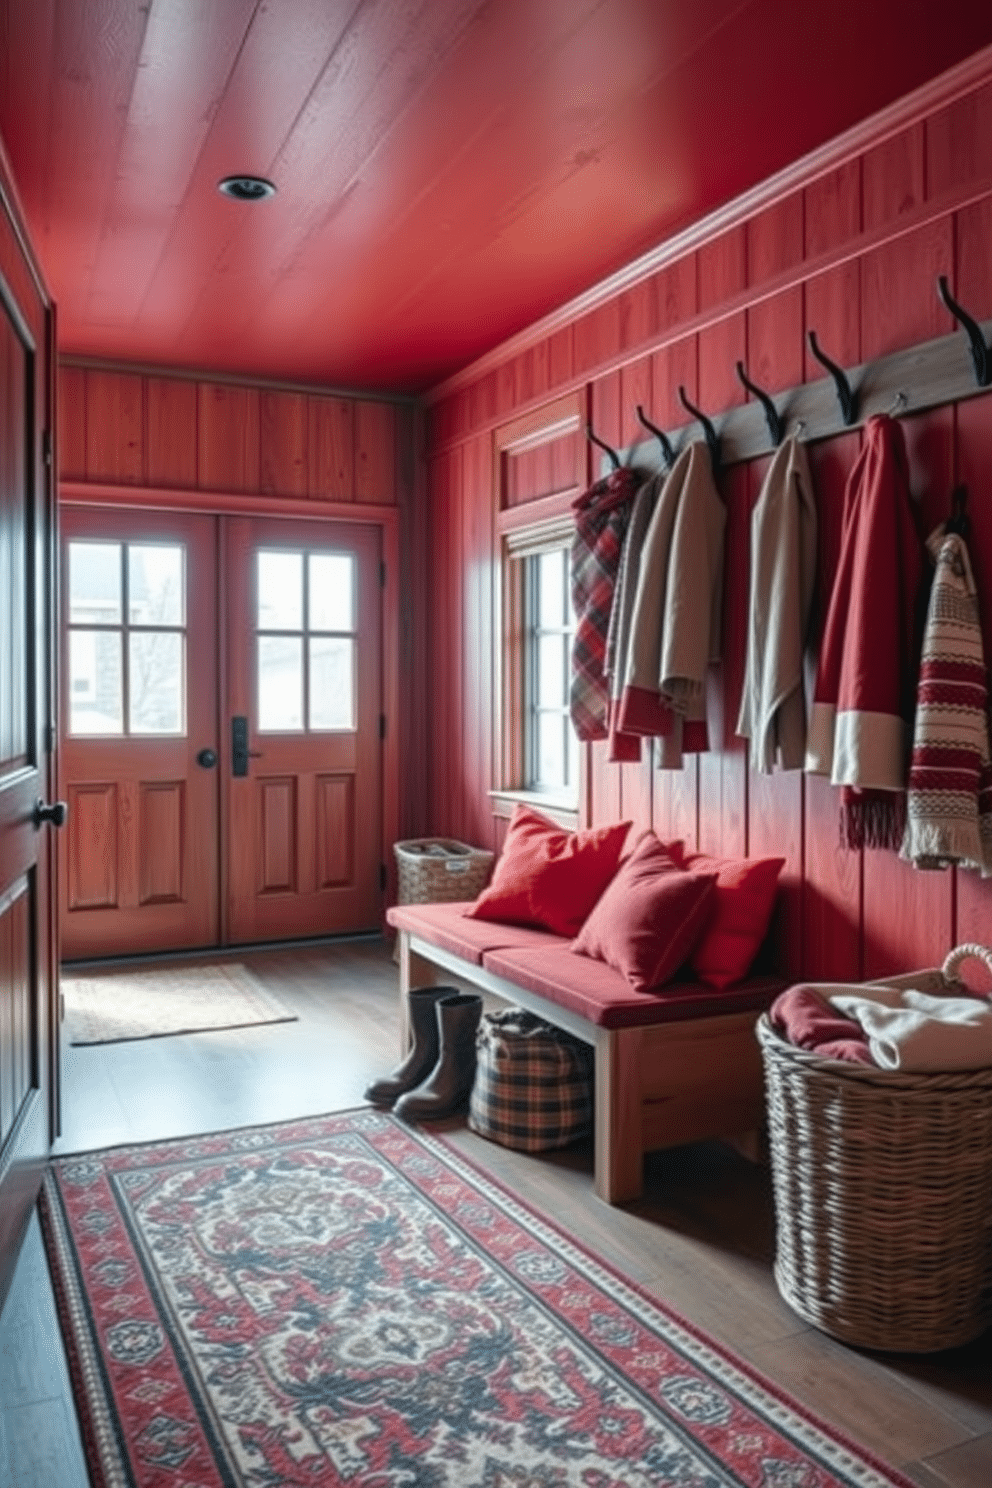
[221, 752]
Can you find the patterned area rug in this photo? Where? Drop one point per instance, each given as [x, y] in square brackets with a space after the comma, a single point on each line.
[113, 1007]
[345, 1300]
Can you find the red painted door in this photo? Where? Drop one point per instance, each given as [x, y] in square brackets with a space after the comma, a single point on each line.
[303, 778]
[139, 759]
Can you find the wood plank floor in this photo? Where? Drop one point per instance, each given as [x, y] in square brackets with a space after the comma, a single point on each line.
[701, 1239]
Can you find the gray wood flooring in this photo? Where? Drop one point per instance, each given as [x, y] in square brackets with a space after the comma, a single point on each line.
[701, 1239]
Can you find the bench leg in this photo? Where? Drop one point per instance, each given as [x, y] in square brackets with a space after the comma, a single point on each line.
[415, 971]
[619, 1145]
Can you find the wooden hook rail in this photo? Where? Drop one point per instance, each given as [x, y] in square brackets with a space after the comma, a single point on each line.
[929, 375]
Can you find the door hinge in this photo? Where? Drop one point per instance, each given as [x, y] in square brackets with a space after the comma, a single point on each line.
[382, 725]
[382, 573]
[383, 876]
[50, 738]
[61, 1007]
[46, 446]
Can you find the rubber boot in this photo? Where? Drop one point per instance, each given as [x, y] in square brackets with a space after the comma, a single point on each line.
[449, 1084]
[423, 1055]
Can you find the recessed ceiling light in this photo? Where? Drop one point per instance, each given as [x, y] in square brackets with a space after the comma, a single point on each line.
[246, 188]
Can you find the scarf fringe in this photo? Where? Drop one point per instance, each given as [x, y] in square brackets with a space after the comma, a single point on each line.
[870, 819]
[927, 845]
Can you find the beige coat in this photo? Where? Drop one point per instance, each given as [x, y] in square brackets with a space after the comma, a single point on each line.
[675, 622]
[783, 574]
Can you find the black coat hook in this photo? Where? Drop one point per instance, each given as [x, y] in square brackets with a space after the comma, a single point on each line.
[845, 393]
[712, 437]
[614, 457]
[667, 451]
[979, 349]
[772, 418]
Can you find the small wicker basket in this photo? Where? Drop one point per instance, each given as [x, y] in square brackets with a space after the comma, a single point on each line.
[883, 1191]
[438, 870]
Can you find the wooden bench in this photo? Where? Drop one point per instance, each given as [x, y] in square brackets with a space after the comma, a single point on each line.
[674, 1066]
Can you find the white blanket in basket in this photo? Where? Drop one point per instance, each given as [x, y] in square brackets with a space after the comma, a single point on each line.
[917, 1033]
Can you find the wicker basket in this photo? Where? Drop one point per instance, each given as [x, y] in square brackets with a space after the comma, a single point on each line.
[883, 1191]
[438, 870]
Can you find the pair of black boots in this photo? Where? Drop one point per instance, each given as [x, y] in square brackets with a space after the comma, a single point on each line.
[437, 1075]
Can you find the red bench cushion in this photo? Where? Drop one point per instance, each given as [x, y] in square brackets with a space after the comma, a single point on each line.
[447, 926]
[598, 993]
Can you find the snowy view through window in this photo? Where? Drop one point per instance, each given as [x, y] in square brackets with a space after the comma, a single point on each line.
[127, 638]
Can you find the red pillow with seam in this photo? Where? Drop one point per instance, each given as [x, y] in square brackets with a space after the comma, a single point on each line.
[745, 898]
[548, 876]
[649, 916]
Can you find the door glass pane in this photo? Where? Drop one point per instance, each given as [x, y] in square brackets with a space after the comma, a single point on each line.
[94, 583]
[332, 683]
[551, 590]
[95, 705]
[280, 683]
[332, 591]
[280, 591]
[155, 682]
[550, 672]
[550, 749]
[155, 584]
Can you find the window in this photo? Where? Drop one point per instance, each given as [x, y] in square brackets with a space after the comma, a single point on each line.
[306, 634]
[540, 465]
[550, 746]
[127, 638]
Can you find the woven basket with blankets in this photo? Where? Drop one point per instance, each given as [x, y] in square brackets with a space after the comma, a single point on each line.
[880, 1125]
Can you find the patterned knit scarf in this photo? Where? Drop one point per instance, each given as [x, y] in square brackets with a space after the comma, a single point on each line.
[949, 801]
[601, 517]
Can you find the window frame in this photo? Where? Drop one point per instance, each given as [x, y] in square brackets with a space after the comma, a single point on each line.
[124, 628]
[536, 526]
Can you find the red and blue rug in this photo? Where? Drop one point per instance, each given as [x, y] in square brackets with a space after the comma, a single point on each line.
[345, 1301]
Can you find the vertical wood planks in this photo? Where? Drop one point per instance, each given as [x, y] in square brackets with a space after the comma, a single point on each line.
[831, 908]
[170, 434]
[974, 460]
[283, 456]
[723, 768]
[178, 433]
[72, 423]
[228, 441]
[115, 428]
[375, 452]
[775, 359]
[331, 448]
[478, 652]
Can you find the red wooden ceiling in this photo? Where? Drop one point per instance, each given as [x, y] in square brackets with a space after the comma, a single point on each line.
[447, 170]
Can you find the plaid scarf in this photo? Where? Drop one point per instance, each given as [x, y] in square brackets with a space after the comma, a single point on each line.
[601, 517]
[949, 801]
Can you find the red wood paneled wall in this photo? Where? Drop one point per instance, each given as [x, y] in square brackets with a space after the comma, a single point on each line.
[134, 428]
[853, 254]
[123, 427]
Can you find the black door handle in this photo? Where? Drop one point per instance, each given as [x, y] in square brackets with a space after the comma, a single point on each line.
[56, 813]
[240, 753]
[207, 758]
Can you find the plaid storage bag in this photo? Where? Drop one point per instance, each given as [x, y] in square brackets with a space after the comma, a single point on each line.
[533, 1083]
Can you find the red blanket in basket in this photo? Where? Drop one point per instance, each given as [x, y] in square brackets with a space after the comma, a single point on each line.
[804, 1016]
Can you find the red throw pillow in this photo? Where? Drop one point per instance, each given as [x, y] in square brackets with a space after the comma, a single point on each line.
[649, 917]
[548, 876]
[745, 897]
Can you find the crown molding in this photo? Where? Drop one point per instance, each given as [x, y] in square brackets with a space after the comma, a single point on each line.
[82, 363]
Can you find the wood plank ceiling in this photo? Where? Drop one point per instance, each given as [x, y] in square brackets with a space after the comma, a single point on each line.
[447, 170]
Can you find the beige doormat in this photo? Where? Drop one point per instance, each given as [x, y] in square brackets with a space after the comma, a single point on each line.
[113, 1007]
